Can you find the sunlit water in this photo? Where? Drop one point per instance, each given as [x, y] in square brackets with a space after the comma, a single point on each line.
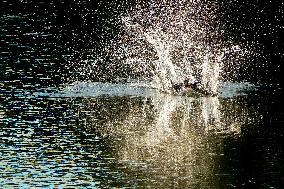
[124, 135]
[136, 134]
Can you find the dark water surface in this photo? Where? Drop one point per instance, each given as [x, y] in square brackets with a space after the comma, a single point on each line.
[99, 135]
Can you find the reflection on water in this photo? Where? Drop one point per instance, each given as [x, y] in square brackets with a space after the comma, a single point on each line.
[70, 138]
[167, 140]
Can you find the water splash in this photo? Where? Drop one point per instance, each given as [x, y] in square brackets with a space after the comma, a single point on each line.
[174, 42]
[166, 43]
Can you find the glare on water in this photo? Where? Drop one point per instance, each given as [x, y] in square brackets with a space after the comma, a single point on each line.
[166, 133]
[124, 124]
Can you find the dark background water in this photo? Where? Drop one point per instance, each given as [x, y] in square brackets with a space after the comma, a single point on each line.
[43, 141]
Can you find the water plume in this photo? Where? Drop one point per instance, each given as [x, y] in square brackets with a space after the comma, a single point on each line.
[168, 45]
[173, 42]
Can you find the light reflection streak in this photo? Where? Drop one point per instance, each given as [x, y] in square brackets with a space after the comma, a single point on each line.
[170, 136]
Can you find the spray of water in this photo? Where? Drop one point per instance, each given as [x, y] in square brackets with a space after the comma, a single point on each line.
[174, 41]
[168, 43]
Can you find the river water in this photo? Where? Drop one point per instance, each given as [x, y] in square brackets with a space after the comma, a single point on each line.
[55, 133]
